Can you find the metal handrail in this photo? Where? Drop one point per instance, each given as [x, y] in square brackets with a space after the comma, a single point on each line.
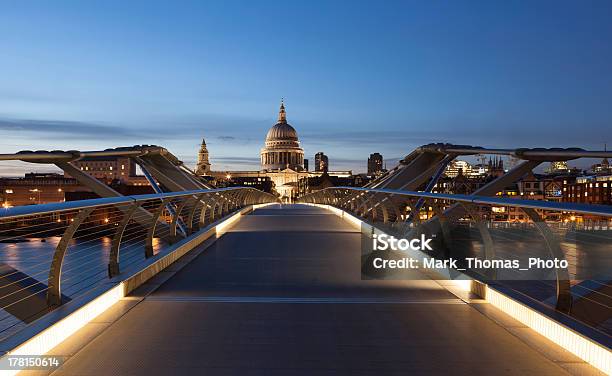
[27, 210]
[214, 204]
[521, 153]
[601, 210]
[45, 156]
[364, 201]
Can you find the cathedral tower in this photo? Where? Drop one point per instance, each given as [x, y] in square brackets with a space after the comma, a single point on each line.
[203, 167]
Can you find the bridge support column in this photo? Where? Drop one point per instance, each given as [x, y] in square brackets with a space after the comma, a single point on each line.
[564, 292]
[191, 215]
[153, 225]
[113, 257]
[54, 292]
[485, 234]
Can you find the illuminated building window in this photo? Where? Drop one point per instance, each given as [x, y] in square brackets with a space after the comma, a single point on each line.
[8, 191]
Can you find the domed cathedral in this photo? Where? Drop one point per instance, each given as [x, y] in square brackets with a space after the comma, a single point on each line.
[282, 149]
[282, 163]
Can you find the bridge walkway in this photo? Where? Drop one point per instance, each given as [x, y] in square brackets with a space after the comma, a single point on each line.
[281, 294]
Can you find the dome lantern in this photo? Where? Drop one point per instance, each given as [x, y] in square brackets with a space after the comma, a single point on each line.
[282, 115]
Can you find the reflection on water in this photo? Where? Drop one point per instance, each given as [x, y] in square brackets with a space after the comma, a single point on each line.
[85, 266]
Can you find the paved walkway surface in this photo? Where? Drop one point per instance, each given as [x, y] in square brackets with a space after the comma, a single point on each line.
[281, 294]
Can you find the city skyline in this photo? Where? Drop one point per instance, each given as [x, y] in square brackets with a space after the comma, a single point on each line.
[357, 78]
[306, 187]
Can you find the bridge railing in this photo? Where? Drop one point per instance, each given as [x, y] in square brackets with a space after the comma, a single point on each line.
[499, 228]
[52, 253]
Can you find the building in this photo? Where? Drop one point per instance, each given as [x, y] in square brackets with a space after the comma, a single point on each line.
[258, 181]
[590, 190]
[35, 188]
[321, 162]
[557, 167]
[108, 169]
[284, 171]
[458, 167]
[314, 182]
[496, 167]
[282, 163]
[375, 164]
[203, 166]
[602, 168]
[282, 148]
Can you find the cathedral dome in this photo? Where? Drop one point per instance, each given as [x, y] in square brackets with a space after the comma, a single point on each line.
[282, 131]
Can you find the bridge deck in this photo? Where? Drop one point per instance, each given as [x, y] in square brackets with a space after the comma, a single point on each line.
[281, 294]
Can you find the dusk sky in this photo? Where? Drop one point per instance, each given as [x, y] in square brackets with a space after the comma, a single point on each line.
[357, 77]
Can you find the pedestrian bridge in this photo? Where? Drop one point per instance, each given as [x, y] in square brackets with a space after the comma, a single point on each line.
[281, 293]
[196, 280]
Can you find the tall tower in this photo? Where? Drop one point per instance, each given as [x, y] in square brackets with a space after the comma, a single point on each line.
[375, 164]
[321, 162]
[203, 167]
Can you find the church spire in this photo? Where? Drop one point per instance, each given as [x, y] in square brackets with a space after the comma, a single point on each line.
[203, 166]
[282, 116]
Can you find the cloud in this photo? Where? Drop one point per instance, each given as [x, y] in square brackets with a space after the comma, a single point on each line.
[235, 163]
[154, 130]
[66, 129]
[241, 160]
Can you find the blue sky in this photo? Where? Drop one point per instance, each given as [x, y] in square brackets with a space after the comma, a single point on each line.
[357, 77]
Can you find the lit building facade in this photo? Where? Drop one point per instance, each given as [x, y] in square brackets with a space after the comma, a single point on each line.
[590, 190]
[282, 148]
[321, 162]
[375, 164]
[35, 188]
[602, 168]
[107, 169]
[557, 167]
[458, 167]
